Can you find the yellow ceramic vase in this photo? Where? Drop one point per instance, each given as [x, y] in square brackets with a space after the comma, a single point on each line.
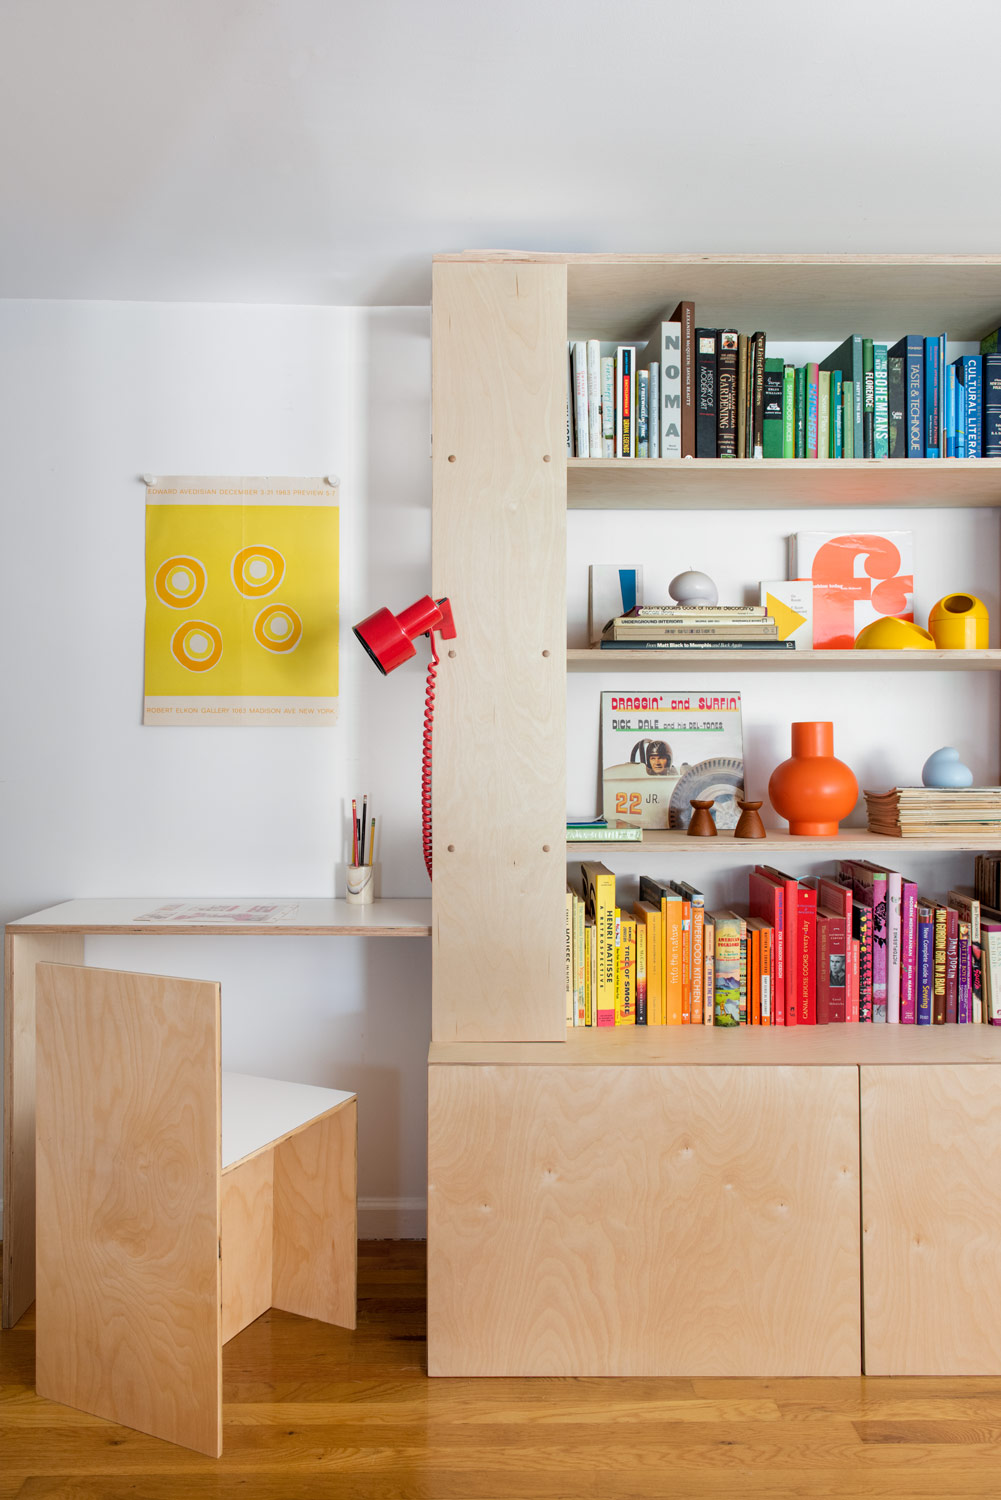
[891, 634]
[959, 622]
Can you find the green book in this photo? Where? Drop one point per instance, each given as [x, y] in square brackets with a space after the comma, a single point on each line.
[881, 415]
[789, 412]
[824, 415]
[801, 412]
[848, 403]
[848, 359]
[772, 419]
[868, 399]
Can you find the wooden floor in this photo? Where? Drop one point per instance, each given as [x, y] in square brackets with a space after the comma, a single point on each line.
[313, 1411]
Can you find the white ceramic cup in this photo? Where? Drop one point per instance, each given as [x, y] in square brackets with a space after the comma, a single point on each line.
[360, 885]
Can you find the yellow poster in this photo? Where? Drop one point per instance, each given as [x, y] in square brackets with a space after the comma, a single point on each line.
[241, 601]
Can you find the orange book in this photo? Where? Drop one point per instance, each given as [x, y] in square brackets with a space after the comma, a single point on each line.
[753, 974]
[673, 947]
[763, 977]
[625, 1005]
[686, 961]
[649, 917]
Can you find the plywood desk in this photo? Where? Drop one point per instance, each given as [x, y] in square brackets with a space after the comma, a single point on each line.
[57, 935]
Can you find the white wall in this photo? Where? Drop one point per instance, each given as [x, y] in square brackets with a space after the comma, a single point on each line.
[93, 804]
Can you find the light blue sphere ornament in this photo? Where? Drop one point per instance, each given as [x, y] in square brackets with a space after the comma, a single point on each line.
[944, 768]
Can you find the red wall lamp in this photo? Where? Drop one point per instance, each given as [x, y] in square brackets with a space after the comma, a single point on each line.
[389, 641]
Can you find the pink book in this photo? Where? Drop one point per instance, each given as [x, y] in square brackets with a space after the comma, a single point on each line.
[766, 899]
[853, 992]
[908, 952]
[869, 885]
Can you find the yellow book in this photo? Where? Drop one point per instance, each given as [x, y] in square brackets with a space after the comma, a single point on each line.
[672, 906]
[599, 897]
[625, 1014]
[578, 908]
[650, 920]
[590, 949]
[618, 965]
[641, 1013]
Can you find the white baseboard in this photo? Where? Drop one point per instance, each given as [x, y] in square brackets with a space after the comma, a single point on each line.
[392, 1219]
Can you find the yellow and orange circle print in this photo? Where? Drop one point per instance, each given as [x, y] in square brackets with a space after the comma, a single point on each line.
[197, 645]
[257, 571]
[278, 628]
[180, 582]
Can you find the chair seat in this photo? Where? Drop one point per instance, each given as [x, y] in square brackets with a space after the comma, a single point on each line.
[260, 1112]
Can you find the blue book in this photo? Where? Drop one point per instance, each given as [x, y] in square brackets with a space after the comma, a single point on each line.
[926, 967]
[911, 348]
[881, 418]
[951, 387]
[848, 359]
[933, 399]
[970, 376]
[960, 415]
[837, 413]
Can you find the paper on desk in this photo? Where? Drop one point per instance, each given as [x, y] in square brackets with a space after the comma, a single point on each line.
[218, 913]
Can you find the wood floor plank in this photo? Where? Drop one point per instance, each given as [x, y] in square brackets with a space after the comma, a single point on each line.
[313, 1412]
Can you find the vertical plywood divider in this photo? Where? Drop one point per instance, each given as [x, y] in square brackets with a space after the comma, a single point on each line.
[128, 1164]
[247, 1215]
[23, 951]
[316, 1220]
[498, 542]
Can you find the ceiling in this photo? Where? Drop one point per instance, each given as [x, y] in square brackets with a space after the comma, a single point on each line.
[317, 151]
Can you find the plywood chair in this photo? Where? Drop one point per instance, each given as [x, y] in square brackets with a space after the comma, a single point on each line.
[175, 1203]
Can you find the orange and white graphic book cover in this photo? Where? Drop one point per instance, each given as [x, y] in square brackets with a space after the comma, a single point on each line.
[857, 577]
[241, 602]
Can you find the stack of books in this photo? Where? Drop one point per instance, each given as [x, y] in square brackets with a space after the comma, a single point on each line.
[695, 627]
[920, 811]
[860, 945]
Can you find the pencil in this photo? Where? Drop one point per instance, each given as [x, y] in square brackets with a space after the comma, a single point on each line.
[354, 828]
[364, 820]
[371, 843]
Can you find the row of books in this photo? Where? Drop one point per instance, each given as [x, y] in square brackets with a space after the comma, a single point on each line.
[729, 627]
[863, 946]
[692, 392]
[916, 811]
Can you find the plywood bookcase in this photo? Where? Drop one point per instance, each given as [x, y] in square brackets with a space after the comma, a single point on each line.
[555, 1247]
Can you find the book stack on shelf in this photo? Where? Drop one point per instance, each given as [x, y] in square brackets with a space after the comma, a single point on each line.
[861, 946]
[689, 392]
[918, 811]
[694, 627]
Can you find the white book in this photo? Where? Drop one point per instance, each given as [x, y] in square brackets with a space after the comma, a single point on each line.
[594, 397]
[666, 347]
[580, 399]
[570, 400]
[654, 438]
[642, 413]
[625, 401]
[608, 406]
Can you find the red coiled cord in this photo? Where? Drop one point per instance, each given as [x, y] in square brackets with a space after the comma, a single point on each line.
[426, 760]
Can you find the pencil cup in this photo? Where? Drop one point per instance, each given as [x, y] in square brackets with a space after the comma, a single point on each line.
[360, 884]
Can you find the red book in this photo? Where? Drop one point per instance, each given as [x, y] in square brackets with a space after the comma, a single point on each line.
[836, 901]
[767, 900]
[807, 911]
[832, 966]
[951, 965]
[790, 940]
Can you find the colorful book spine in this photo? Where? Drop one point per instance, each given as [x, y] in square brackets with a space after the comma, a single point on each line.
[608, 406]
[837, 414]
[894, 895]
[926, 965]
[753, 973]
[571, 1007]
[651, 923]
[789, 412]
[868, 399]
[767, 975]
[964, 998]
[767, 900]
[758, 412]
[848, 389]
[594, 397]
[626, 1013]
[896, 403]
[881, 411]
[744, 390]
[773, 430]
[696, 978]
[991, 405]
[706, 393]
[709, 981]
[807, 910]
[671, 374]
[581, 958]
[977, 983]
[951, 425]
[727, 970]
[911, 349]
[743, 971]
[853, 994]
[908, 952]
[625, 401]
[599, 897]
[951, 966]
[933, 399]
[684, 316]
[800, 390]
[726, 402]
[824, 414]
[823, 970]
[590, 972]
[969, 374]
[862, 929]
[812, 408]
[938, 992]
[653, 442]
[642, 413]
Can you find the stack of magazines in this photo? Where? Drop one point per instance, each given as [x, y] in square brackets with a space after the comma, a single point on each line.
[920, 811]
[694, 627]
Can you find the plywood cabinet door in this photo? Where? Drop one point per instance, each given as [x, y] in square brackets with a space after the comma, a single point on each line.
[931, 1219]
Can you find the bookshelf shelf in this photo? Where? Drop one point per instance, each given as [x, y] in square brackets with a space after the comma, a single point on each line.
[748, 851]
[839, 1045]
[593, 659]
[780, 483]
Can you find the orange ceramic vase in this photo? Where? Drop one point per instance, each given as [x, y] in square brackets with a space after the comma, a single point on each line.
[812, 789]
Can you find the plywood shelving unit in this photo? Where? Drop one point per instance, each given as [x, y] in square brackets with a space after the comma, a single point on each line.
[576, 1181]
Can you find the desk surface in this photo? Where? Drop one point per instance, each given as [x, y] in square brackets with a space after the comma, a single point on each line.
[304, 916]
